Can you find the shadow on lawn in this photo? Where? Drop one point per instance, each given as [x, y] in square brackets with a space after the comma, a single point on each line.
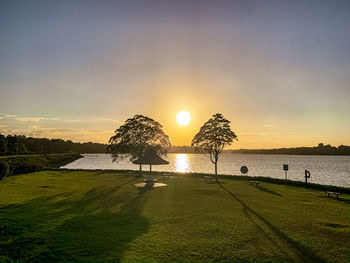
[64, 228]
[340, 199]
[263, 189]
[303, 254]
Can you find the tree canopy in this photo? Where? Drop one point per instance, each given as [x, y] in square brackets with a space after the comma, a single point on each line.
[213, 137]
[137, 135]
[20, 144]
[3, 145]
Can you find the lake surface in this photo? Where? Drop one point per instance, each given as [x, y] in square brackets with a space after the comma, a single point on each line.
[331, 170]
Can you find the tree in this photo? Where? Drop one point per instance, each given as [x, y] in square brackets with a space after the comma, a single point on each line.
[4, 170]
[16, 144]
[12, 145]
[137, 135]
[3, 145]
[213, 137]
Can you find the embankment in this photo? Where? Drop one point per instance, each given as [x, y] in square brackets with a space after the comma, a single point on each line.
[19, 164]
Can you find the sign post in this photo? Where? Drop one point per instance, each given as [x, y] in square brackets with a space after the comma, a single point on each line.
[285, 168]
[307, 175]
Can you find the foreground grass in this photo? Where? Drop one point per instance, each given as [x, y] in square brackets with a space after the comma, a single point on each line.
[52, 216]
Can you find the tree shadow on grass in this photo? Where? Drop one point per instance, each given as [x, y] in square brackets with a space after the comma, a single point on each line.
[264, 189]
[98, 198]
[303, 254]
[63, 228]
[340, 199]
[103, 235]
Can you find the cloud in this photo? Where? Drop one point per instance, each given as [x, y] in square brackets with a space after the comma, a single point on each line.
[270, 126]
[4, 116]
[95, 120]
[253, 134]
[95, 129]
[77, 135]
[35, 119]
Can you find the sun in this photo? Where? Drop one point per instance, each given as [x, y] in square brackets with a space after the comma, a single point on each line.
[183, 118]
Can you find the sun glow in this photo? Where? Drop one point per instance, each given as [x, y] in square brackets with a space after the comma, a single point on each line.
[183, 118]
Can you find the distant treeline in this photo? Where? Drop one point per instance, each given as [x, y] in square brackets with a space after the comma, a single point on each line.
[321, 149]
[19, 145]
[182, 149]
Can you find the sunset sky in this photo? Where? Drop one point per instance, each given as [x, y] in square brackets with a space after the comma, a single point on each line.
[278, 70]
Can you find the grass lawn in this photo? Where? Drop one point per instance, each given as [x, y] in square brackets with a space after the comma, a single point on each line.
[52, 216]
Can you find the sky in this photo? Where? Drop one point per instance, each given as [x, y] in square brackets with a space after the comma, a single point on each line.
[278, 70]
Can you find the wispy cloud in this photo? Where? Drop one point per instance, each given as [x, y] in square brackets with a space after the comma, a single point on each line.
[35, 119]
[269, 126]
[92, 129]
[4, 116]
[253, 134]
[95, 120]
[78, 135]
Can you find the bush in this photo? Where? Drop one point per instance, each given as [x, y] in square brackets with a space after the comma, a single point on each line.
[30, 163]
[333, 188]
[58, 160]
[4, 170]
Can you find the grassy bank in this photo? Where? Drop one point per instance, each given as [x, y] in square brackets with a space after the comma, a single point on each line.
[18, 164]
[322, 187]
[98, 217]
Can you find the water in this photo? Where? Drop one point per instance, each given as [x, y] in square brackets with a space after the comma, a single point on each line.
[330, 170]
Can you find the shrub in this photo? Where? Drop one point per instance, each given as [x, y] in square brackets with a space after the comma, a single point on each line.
[30, 163]
[58, 160]
[4, 170]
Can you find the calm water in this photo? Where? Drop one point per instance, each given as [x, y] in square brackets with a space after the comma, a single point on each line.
[332, 170]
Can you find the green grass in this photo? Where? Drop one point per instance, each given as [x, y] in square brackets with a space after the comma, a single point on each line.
[52, 216]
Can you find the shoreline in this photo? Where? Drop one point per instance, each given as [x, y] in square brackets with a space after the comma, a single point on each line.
[344, 190]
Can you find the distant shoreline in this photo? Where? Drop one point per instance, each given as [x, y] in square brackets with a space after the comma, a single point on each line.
[22, 145]
[321, 149]
[237, 152]
[342, 189]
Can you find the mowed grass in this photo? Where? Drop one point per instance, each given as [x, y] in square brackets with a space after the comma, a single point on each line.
[55, 216]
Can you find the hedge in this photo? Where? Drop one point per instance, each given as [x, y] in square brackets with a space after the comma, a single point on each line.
[20, 164]
[4, 170]
[322, 187]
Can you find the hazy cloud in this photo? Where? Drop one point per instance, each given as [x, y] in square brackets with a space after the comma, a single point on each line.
[35, 119]
[270, 126]
[95, 120]
[77, 135]
[4, 116]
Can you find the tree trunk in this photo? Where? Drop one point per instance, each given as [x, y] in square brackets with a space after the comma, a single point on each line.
[150, 171]
[140, 169]
[216, 171]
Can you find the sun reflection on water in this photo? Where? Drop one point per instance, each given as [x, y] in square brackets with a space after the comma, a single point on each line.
[182, 164]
